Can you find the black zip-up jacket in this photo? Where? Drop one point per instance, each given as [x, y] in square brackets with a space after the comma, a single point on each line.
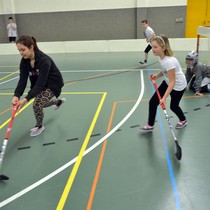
[45, 74]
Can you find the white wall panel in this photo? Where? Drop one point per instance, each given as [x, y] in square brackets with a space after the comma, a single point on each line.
[28, 6]
[39, 6]
[133, 45]
[7, 7]
[161, 3]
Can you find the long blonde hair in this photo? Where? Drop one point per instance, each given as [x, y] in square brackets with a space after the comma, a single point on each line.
[163, 41]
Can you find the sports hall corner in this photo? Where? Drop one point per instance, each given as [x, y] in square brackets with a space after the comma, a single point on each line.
[92, 153]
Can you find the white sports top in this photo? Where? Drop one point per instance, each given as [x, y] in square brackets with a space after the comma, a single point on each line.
[11, 31]
[149, 33]
[169, 63]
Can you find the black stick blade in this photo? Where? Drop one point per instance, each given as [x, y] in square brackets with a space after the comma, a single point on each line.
[178, 154]
[3, 177]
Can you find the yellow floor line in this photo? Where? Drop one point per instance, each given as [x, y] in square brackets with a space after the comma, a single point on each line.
[63, 93]
[7, 121]
[81, 93]
[9, 75]
[9, 66]
[80, 156]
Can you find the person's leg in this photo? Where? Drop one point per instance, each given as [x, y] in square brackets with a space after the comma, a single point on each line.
[154, 102]
[205, 81]
[145, 57]
[205, 85]
[174, 106]
[146, 51]
[41, 101]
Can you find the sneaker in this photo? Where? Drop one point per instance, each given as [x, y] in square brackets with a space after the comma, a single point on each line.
[32, 129]
[36, 131]
[143, 62]
[147, 128]
[59, 103]
[181, 124]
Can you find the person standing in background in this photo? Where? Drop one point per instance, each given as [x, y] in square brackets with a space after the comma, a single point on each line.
[149, 34]
[11, 30]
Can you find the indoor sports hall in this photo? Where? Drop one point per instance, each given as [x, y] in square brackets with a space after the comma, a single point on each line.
[92, 154]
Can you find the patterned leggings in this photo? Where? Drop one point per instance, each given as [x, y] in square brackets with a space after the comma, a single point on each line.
[41, 101]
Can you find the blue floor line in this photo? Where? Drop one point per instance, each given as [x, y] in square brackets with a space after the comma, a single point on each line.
[170, 168]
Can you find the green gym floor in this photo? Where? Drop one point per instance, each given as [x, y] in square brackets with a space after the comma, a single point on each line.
[91, 154]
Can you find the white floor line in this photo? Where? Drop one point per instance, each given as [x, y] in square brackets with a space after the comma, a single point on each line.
[49, 176]
[105, 70]
[9, 80]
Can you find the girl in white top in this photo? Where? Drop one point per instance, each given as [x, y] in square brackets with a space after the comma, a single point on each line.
[174, 82]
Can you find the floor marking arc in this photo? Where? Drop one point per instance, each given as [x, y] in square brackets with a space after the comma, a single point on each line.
[54, 173]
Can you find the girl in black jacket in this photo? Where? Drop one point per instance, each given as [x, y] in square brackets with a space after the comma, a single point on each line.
[46, 81]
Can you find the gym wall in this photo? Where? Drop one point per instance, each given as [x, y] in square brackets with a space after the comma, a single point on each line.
[76, 20]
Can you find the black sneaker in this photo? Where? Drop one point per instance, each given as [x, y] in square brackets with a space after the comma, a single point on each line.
[143, 62]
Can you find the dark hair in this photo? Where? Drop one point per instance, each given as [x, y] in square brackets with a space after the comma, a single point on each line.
[28, 41]
[144, 21]
[10, 18]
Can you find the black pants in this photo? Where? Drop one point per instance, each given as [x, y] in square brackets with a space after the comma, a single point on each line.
[148, 48]
[174, 104]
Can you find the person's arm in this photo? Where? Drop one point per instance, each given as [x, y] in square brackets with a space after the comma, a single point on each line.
[42, 79]
[23, 78]
[153, 36]
[198, 79]
[188, 74]
[20, 88]
[172, 79]
[156, 76]
[8, 30]
[14, 26]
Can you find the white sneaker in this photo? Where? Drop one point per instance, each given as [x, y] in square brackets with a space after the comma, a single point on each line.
[181, 124]
[147, 128]
[36, 131]
[34, 128]
[59, 103]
